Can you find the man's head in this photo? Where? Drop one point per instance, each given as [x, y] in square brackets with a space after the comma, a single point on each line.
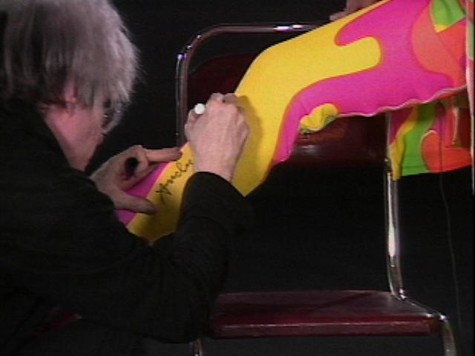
[49, 45]
[66, 54]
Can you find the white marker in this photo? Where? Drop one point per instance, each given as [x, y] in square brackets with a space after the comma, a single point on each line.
[199, 108]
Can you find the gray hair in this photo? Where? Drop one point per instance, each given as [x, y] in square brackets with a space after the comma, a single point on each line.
[49, 45]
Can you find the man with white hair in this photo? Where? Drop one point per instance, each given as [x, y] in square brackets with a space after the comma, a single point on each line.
[73, 280]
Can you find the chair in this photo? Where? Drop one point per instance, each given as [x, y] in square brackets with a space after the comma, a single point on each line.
[318, 312]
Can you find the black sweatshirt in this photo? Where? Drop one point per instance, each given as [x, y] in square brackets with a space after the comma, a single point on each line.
[62, 245]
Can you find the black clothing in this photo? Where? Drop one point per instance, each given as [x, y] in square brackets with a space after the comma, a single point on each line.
[61, 244]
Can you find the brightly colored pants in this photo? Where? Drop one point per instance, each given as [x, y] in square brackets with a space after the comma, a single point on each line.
[407, 57]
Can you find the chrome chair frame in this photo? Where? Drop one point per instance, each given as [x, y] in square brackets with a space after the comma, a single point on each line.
[392, 219]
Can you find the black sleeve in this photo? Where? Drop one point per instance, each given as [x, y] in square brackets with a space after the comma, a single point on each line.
[86, 260]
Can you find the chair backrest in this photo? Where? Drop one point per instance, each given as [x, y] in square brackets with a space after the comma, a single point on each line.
[215, 61]
[222, 54]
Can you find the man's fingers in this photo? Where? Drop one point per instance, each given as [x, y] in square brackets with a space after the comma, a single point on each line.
[140, 174]
[163, 155]
[149, 159]
[230, 98]
[216, 97]
[136, 204]
[138, 162]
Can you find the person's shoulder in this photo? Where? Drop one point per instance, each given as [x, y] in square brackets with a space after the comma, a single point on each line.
[35, 174]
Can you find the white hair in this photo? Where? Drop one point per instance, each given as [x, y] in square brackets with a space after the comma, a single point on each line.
[49, 45]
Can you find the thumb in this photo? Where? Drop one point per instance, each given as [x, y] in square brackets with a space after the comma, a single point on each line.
[133, 203]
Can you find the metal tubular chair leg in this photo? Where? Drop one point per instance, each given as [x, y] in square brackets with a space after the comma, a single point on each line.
[448, 337]
[394, 271]
[196, 348]
[393, 239]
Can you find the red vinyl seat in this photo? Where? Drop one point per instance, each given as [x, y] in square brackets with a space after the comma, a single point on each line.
[318, 313]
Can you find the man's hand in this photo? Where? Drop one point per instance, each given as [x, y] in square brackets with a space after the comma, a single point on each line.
[217, 135]
[352, 6]
[126, 169]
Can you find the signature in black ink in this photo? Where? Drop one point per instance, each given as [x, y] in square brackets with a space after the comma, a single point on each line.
[164, 188]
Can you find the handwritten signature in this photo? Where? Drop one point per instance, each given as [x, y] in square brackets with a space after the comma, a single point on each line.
[164, 188]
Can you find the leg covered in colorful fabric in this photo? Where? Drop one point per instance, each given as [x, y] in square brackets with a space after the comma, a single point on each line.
[390, 56]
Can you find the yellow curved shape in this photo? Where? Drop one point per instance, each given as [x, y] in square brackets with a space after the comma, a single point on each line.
[273, 79]
[267, 88]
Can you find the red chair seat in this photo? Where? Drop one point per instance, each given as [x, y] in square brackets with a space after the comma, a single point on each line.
[318, 313]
